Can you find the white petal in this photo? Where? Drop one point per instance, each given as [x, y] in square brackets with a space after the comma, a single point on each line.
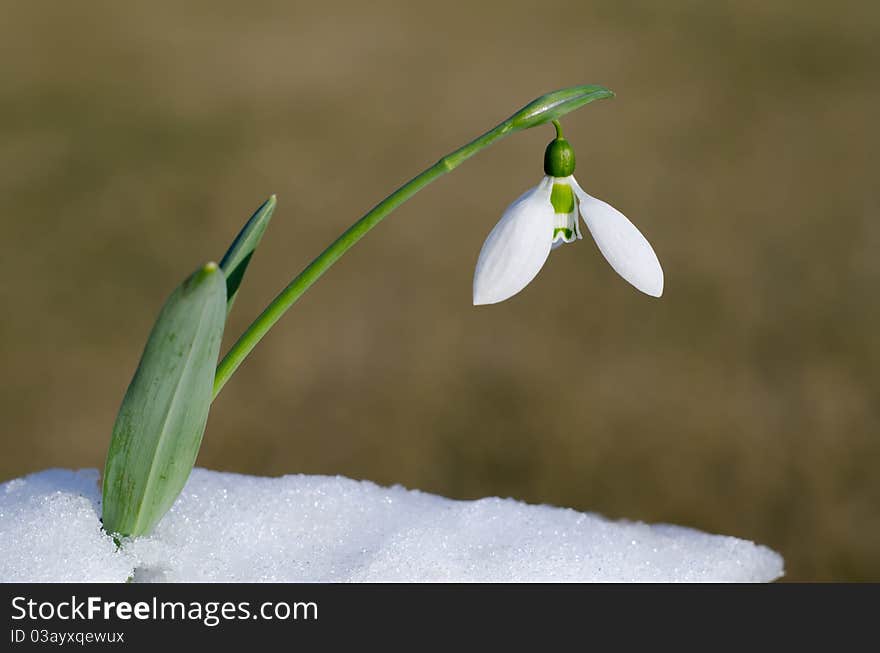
[622, 245]
[516, 248]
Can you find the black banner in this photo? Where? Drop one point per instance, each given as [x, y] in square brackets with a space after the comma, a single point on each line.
[136, 616]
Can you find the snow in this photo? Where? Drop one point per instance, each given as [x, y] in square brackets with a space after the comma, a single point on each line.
[230, 527]
[49, 530]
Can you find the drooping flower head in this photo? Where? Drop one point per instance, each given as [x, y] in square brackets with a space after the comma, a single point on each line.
[546, 217]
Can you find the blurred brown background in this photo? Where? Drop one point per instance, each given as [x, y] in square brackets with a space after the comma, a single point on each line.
[135, 139]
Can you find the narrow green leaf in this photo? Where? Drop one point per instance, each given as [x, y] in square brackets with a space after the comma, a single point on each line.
[235, 261]
[159, 427]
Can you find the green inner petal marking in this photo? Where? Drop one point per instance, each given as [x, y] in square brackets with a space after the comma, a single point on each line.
[567, 233]
[562, 198]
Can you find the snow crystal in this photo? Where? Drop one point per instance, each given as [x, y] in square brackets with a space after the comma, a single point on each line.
[229, 527]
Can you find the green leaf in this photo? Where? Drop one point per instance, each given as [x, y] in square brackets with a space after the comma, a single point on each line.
[235, 261]
[160, 424]
[553, 106]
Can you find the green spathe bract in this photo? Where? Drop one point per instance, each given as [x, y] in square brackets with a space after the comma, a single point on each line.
[234, 263]
[553, 106]
[160, 424]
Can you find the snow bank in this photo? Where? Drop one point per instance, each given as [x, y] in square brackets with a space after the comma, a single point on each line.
[49, 530]
[228, 527]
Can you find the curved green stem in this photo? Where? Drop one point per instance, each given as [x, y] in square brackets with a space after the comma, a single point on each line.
[313, 271]
[547, 108]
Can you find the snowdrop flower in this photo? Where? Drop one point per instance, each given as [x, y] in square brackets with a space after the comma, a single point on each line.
[545, 218]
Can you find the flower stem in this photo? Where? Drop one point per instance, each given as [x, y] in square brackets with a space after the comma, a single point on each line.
[313, 271]
[549, 107]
